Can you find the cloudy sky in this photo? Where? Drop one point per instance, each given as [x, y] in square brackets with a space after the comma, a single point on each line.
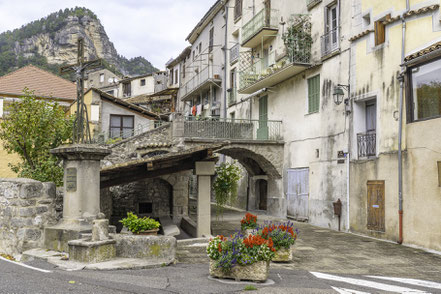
[154, 29]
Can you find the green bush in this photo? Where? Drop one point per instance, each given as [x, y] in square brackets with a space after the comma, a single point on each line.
[136, 225]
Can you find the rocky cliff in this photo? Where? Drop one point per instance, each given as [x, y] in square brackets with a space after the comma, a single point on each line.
[52, 41]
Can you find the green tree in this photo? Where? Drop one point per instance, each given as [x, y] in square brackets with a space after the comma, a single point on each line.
[31, 128]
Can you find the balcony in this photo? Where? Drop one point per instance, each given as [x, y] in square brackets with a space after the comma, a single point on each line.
[234, 53]
[330, 42]
[264, 24]
[367, 144]
[233, 129]
[269, 71]
[232, 95]
[201, 80]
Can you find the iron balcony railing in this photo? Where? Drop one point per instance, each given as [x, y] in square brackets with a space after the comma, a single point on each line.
[233, 129]
[232, 95]
[234, 53]
[260, 68]
[114, 136]
[263, 19]
[367, 144]
[207, 73]
[330, 42]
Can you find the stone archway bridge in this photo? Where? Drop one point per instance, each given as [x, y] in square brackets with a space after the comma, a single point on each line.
[261, 155]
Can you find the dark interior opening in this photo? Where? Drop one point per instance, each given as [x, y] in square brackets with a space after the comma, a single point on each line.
[145, 207]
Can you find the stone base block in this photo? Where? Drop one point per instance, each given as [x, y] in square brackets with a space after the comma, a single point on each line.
[145, 247]
[56, 238]
[283, 255]
[257, 272]
[92, 251]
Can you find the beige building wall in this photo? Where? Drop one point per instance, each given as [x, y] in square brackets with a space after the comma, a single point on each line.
[374, 72]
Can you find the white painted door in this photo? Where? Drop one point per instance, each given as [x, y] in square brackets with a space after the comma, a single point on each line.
[298, 192]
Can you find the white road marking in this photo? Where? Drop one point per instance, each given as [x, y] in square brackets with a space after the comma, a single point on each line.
[348, 291]
[25, 265]
[415, 282]
[369, 284]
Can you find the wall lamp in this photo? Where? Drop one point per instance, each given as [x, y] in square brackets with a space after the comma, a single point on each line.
[339, 94]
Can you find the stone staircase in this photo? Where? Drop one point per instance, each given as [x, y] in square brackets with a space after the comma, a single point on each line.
[192, 250]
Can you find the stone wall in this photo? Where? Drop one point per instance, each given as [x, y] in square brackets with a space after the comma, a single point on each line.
[26, 207]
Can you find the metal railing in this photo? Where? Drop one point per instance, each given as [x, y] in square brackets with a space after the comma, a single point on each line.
[367, 144]
[234, 53]
[112, 137]
[233, 129]
[232, 95]
[208, 72]
[330, 42]
[263, 19]
[260, 68]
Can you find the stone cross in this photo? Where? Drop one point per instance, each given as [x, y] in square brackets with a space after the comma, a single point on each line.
[81, 131]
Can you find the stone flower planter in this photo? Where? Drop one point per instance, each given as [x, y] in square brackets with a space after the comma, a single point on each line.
[148, 232]
[283, 254]
[257, 272]
[248, 232]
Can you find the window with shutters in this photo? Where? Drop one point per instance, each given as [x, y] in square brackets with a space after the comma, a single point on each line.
[314, 94]
[210, 46]
[380, 30]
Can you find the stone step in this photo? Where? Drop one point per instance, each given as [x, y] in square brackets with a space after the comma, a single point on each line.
[192, 241]
[193, 260]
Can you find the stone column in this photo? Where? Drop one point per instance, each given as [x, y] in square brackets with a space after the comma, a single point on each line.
[81, 202]
[276, 198]
[81, 181]
[204, 170]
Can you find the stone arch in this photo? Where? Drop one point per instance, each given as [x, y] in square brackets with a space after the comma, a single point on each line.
[256, 164]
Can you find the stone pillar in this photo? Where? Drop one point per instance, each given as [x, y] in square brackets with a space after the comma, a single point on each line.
[81, 201]
[204, 170]
[276, 198]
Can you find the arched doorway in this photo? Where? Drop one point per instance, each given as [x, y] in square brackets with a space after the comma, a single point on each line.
[261, 194]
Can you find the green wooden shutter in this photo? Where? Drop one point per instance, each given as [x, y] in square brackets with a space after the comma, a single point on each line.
[314, 94]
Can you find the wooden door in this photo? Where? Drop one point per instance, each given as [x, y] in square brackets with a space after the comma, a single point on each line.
[375, 206]
[298, 193]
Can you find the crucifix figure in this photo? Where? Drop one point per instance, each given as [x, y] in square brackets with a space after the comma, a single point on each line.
[81, 130]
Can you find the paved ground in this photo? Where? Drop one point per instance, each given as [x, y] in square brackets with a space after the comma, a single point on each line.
[325, 262]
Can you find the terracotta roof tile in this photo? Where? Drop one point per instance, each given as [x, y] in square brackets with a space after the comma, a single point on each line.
[424, 51]
[44, 83]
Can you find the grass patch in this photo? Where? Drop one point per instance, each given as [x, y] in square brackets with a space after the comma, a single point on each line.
[250, 288]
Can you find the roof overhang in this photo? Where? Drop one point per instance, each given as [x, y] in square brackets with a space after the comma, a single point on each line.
[156, 166]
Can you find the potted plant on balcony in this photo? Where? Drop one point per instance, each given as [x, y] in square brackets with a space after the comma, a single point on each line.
[140, 226]
[248, 224]
[240, 258]
[283, 237]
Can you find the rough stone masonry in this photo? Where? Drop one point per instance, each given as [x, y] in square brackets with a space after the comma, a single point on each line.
[26, 207]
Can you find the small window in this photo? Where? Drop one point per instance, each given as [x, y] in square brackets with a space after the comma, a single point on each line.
[111, 92]
[142, 82]
[121, 126]
[145, 207]
[200, 47]
[176, 76]
[127, 89]
[238, 9]
[210, 46]
[314, 94]
[183, 70]
[102, 78]
[380, 30]
[425, 91]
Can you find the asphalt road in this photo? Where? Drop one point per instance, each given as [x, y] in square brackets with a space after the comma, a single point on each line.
[193, 278]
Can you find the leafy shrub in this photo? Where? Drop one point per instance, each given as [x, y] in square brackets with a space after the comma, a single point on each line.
[136, 225]
[225, 185]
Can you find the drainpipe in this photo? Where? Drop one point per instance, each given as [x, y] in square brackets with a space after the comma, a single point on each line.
[400, 133]
[224, 90]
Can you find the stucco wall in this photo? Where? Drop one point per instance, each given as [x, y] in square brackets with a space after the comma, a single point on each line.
[5, 159]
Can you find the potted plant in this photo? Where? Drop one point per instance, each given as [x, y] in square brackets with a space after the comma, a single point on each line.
[283, 237]
[249, 223]
[240, 258]
[140, 226]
